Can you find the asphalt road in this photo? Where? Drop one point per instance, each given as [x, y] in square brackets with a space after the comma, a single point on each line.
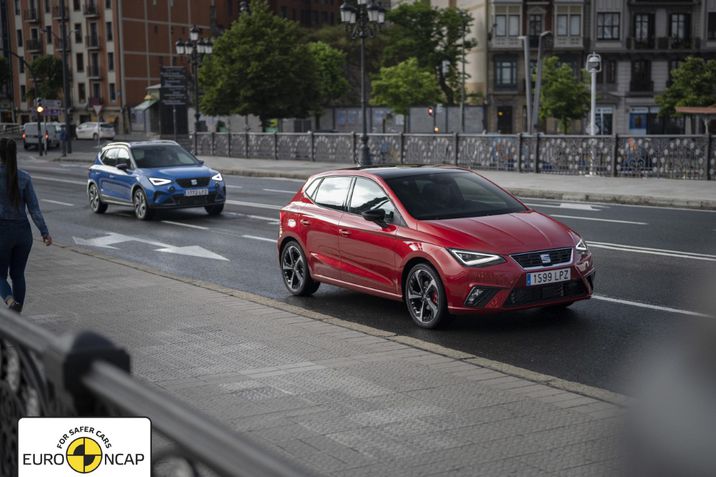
[651, 264]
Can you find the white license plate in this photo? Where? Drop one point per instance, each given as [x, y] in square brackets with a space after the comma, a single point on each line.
[194, 192]
[549, 276]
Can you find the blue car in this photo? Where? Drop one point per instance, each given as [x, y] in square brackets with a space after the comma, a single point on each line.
[153, 175]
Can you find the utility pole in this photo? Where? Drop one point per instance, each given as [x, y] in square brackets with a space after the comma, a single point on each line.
[594, 66]
[67, 144]
[528, 82]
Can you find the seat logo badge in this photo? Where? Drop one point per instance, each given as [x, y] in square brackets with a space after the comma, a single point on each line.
[194, 182]
[546, 260]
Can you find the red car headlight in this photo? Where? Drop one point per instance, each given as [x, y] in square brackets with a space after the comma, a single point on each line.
[475, 259]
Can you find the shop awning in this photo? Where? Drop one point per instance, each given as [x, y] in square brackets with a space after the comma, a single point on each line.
[145, 105]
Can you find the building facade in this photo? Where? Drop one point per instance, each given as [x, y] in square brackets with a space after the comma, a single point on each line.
[640, 42]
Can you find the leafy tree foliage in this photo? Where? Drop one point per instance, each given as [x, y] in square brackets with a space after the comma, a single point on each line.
[404, 85]
[260, 66]
[330, 66]
[693, 84]
[47, 69]
[436, 37]
[564, 97]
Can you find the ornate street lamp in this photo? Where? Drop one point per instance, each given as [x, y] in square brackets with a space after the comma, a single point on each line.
[363, 21]
[196, 49]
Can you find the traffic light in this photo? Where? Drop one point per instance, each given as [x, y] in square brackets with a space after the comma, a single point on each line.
[39, 107]
[430, 111]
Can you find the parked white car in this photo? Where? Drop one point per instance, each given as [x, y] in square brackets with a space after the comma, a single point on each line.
[94, 130]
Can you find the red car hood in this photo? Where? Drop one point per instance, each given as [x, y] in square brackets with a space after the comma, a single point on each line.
[507, 233]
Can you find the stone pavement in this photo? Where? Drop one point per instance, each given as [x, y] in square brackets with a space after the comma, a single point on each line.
[343, 399]
[622, 190]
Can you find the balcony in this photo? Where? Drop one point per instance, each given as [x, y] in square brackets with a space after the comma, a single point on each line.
[506, 42]
[90, 9]
[547, 42]
[33, 45]
[31, 15]
[640, 43]
[57, 12]
[59, 46]
[92, 42]
[670, 43]
[94, 72]
[641, 87]
[569, 42]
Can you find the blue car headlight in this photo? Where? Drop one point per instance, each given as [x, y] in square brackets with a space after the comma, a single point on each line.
[217, 177]
[159, 181]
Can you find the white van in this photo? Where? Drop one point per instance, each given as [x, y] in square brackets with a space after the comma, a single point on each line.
[50, 131]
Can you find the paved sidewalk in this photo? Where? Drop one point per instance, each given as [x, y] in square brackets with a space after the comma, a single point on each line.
[638, 191]
[342, 401]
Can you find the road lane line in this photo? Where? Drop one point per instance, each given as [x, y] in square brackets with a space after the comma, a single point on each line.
[56, 179]
[653, 251]
[649, 306]
[181, 224]
[280, 191]
[254, 204]
[629, 222]
[566, 205]
[230, 186]
[263, 239]
[615, 204]
[58, 202]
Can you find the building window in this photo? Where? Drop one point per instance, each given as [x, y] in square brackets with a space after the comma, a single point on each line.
[110, 61]
[19, 38]
[644, 28]
[641, 76]
[17, 7]
[96, 91]
[507, 25]
[608, 75]
[284, 12]
[23, 93]
[47, 6]
[569, 20]
[536, 24]
[112, 93]
[712, 26]
[607, 26]
[679, 26]
[76, 5]
[48, 34]
[604, 118]
[78, 33]
[109, 31]
[108, 4]
[81, 93]
[21, 66]
[505, 72]
[80, 60]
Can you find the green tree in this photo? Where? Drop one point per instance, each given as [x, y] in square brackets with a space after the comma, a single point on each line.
[403, 85]
[47, 69]
[693, 84]
[436, 37]
[564, 97]
[260, 66]
[331, 79]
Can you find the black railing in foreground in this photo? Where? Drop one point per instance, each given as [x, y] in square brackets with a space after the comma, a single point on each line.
[660, 156]
[85, 374]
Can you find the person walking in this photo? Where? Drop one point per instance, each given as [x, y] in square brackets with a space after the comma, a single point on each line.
[17, 198]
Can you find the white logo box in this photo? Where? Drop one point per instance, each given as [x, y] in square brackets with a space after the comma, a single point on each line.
[124, 443]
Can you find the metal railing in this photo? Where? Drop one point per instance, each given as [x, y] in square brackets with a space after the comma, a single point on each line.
[674, 157]
[85, 374]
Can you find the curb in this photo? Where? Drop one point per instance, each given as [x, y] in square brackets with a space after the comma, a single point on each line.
[539, 378]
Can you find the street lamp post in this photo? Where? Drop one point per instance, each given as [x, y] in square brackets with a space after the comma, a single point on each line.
[195, 48]
[362, 21]
[538, 84]
[594, 66]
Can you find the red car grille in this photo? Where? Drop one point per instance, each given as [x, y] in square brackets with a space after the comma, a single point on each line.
[534, 259]
[536, 294]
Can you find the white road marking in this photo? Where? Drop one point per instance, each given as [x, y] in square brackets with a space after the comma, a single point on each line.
[629, 222]
[649, 306]
[263, 239]
[230, 186]
[58, 202]
[566, 205]
[613, 204]
[280, 191]
[112, 238]
[653, 251]
[181, 224]
[57, 179]
[254, 204]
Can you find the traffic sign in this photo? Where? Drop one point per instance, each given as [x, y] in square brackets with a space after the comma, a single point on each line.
[173, 84]
[53, 104]
[97, 108]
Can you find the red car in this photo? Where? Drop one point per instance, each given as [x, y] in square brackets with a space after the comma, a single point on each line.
[444, 240]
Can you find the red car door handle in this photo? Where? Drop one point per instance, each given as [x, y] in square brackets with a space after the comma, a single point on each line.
[344, 232]
[305, 222]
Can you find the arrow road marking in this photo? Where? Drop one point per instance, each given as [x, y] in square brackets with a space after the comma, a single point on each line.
[109, 240]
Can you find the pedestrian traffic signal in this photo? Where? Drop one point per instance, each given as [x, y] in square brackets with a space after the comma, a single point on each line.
[430, 111]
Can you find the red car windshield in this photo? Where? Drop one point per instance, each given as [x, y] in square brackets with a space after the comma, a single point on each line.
[451, 195]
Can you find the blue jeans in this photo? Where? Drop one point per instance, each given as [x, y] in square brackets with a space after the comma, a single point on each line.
[15, 245]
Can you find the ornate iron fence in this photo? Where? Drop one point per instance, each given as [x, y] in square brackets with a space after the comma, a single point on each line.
[673, 157]
[87, 375]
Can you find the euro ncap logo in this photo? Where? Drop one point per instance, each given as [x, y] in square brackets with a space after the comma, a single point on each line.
[84, 455]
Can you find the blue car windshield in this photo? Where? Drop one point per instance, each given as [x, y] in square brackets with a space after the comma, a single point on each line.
[164, 155]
